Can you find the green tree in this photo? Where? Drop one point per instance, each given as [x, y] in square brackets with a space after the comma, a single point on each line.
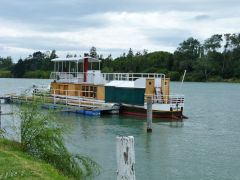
[212, 61]
[130, 53]
[6, 62]
[235, 40]
[47, 63]
[207, 65]
[19, 69]
[213, 43]
[186, 55]
[93, 52]
[145, 52]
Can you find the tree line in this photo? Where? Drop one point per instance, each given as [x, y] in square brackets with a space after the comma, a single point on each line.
[215, 59]
[37, 65]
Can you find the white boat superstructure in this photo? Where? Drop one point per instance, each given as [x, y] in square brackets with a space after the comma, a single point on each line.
[73, 74]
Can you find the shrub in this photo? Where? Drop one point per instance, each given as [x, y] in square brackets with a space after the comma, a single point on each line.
[215, 79]
[163, 71]
[107, 70]
[43, 137]
[193, 76]
[174, 76]
[5, 74]
[150, 70]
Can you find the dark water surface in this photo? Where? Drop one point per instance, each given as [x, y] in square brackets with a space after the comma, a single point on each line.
[207, 146]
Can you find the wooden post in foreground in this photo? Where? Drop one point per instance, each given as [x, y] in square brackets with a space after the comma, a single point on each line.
[125, 158]
[149, 114]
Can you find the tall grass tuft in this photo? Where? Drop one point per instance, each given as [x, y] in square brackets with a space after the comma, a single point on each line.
[43, 137]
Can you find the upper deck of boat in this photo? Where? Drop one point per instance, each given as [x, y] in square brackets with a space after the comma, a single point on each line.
[76, 70]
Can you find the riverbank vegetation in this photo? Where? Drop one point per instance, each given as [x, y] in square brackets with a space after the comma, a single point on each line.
[215, 59]
[42, 137]
[15, 164]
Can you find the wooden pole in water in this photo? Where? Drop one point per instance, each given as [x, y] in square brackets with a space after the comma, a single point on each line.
[149, 114]
[125, 158]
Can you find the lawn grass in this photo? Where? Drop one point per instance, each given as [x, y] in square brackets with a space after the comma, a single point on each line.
[15, 164]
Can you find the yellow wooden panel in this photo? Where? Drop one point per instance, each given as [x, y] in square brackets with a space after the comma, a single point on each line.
[78, 89]
[53, 87]
[57, 87]
[166, 89]
[66, 89]
[71, 88]
[149, 90]
[100, 93]
[61, 87]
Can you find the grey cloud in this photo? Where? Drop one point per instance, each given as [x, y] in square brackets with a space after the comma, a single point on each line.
[40, 11]
[40, 43]
[201, 17]
[71, 15]
[168, 37]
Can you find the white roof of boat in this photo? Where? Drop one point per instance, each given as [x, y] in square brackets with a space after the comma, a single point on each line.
[76, 59]
[121, 84]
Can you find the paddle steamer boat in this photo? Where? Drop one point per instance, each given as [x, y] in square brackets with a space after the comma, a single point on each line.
[75, 80]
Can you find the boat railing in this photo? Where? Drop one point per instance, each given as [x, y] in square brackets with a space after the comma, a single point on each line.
[166, 99]
[69, 97]
[69, 76]
[130, 76]
[78, 77]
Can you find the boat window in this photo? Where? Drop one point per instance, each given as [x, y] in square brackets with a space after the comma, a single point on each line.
[83, 90]
[91, 93]
[95, 92]
[86, 91]
[165, 83]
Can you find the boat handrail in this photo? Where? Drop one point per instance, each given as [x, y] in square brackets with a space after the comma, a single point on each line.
[166, 99]
[71, 76]
[43, 91]
[60, 95]
[130, 76]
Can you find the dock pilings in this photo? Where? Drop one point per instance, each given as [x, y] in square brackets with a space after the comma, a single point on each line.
[149, 114]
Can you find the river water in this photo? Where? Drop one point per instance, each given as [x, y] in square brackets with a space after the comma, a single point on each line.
[207, 146]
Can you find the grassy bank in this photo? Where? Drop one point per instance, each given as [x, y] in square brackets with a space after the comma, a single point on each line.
[30, 74]
[15, 164]
[37, 74]
[5, 74]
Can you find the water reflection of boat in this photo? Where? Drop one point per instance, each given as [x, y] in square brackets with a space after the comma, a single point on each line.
[75, 84]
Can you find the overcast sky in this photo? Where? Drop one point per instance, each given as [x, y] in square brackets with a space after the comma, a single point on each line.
[74, 26]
